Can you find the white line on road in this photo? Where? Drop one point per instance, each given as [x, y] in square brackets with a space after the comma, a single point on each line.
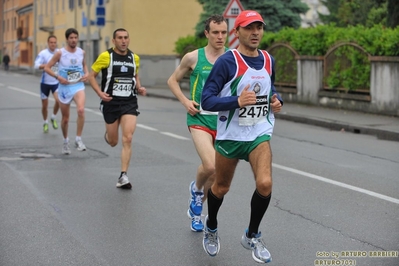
[174, 135]
[339, 184]
[24, 91]
[292, 170]
[146, 127]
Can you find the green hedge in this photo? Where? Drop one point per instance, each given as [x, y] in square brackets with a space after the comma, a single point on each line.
[378, 40]
[350, 71]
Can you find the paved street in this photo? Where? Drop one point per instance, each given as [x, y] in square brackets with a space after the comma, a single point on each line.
[335, 195]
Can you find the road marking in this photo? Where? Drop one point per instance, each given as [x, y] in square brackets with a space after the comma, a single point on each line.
[174, 135]
[146, 127]
[292, 170]
[100, 114]
[336, 183]
[24, 91]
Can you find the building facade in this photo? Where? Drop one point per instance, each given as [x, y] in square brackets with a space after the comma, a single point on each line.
[1, 31]
[154, 25]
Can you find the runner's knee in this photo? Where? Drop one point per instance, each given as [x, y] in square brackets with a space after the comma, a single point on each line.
[264, 186]
[208, 169]
[128, 139]
[81, 111]
[220, 189]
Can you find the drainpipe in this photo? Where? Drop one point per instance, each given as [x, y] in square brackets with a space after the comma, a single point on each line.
[88, 37]
[34, 36]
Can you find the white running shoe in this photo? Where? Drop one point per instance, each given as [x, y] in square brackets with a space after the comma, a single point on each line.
[259, 251]
[65, 148]
[123, 182]
[79, 145]
[210, 242]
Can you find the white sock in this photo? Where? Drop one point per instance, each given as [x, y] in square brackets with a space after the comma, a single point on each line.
[46, 121]
[195, 188]
[53, 116]
[66, 140]
[78, 138]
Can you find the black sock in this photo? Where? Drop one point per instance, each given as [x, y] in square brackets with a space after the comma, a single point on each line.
[214, 204]
[259, 206]
[123, 173]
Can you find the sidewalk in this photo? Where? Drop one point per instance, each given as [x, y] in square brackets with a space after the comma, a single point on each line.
[383, 127]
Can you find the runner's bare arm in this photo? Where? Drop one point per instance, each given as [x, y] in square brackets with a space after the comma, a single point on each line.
[140, 89]
[47, 68]
[93, 83]
[187, 64]
[85, 70]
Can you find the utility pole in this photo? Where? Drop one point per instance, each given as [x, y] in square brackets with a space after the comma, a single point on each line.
[2, 51]
[88, 48]
[34, 35]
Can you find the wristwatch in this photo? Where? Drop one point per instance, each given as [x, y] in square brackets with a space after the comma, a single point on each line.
[56, 76]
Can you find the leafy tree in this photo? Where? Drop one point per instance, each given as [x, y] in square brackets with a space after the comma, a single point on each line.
[393, 13]
[345, 13]
[276, 13]
[210, 7]
[332, 6]
[354, 12]
[377, 15]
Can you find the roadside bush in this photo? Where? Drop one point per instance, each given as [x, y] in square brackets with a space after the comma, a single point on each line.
[377, 41]
[350, 70]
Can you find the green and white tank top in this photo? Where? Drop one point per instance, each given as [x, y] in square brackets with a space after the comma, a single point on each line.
[197, 80]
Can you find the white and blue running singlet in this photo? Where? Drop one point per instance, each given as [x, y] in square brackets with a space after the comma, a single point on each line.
[43, 58]
[70, 67]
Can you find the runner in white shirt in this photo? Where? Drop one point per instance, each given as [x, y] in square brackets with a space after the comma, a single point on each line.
[48, 83]
[72, 73]
[240, 87]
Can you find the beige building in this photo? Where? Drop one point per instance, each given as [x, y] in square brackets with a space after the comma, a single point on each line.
[154, 27]
[16, 19]
[1, 30]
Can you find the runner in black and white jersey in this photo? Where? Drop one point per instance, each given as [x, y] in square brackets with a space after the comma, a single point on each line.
[120, 85]
[48, 83]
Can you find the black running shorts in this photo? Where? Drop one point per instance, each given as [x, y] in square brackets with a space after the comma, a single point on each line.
[112, 112]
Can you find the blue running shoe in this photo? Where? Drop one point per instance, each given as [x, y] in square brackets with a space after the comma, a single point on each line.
[211, 241]
[259, 251]
[195, 201]
[196, 222]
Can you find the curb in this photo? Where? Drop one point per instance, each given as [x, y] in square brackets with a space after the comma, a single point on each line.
[379, 133]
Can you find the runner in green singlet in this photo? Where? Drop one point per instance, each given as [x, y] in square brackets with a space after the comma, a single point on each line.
[202, 124]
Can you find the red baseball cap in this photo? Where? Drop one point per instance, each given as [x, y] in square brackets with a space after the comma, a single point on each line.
[247, 17]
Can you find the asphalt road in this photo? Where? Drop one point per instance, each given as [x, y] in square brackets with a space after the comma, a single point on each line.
[335, 195]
